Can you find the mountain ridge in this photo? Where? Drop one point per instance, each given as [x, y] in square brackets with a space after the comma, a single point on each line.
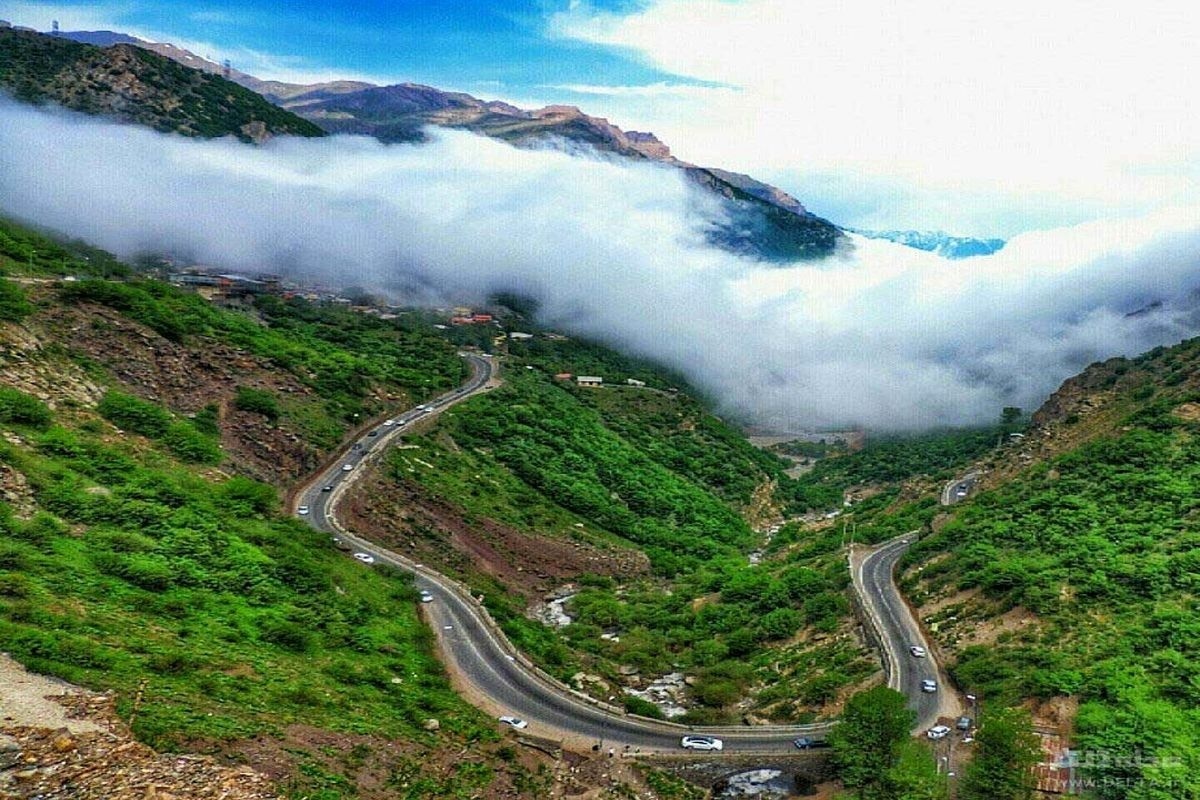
[763, 221]
[133, 84]
[938, 242]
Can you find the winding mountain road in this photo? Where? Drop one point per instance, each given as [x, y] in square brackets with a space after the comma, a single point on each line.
[493, 675]
[872, 572]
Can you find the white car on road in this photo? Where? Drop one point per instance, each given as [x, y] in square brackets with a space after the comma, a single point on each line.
[302, 510]
[366, 558]
[917, 651]
[928, 686]
[515, 722]
[701, 743]
[937, 732]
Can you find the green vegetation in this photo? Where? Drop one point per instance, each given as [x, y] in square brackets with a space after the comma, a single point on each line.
[873, 752]
[583, 357]
[26, 252]
[153, 421]
[168, 97]
[1096, 550]
[14, 306]
[677, 432]
[1006, 751]
[18, 408]
[238, 622]
[343, 356]
[257, 401]
[889, 459]
[620, 467]
[556, 445]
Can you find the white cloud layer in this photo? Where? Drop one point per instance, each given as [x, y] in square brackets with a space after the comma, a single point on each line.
[1070, 102]
[884, 336]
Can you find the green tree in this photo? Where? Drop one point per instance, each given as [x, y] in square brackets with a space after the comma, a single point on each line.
[1006, 751]
[867, 744]
[915, 776]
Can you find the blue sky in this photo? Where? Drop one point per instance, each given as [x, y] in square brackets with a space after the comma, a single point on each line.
[984, 119]
[501, 46]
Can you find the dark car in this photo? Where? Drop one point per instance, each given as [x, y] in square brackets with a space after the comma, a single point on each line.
[963, 723]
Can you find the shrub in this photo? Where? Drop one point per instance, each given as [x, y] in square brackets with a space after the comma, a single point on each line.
[636, 705]
[134, 414]
[190, 444]
[252, 495]
[258, 401]
[18, 408]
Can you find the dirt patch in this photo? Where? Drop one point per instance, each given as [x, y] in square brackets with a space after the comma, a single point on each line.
[186, 378]
[380, 768]
[399, 515]
[27, 699]
[61, 741]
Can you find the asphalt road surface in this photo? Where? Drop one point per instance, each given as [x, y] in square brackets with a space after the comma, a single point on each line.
[959, 488]
[873, 574]
[502, 681]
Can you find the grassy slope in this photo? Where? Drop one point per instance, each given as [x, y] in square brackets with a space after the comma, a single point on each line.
[124, 568]
[136, 85]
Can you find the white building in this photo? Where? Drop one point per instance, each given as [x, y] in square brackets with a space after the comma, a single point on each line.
[589, 380]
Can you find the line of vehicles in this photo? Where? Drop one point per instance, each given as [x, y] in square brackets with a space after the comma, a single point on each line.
[692, 742]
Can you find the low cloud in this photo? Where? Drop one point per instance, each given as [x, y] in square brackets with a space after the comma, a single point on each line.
[882, 336]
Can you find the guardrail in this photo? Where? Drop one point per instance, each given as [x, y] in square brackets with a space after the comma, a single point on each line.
[496, 633]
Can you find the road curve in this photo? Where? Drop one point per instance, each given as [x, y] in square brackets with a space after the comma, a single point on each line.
[873, 571]
[959, 488]
[497, 677]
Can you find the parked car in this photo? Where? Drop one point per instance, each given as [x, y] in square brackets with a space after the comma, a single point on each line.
[963, 723]
[707, 743]
[917, 651]
[366, 558]
[928, 686]
[515, 722]
[937, 732]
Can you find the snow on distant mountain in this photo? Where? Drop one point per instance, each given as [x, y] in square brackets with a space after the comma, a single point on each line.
[939, 242]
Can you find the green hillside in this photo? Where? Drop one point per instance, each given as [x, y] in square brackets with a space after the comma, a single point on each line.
[1092, 555]
[137, 556]
[135, 85]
